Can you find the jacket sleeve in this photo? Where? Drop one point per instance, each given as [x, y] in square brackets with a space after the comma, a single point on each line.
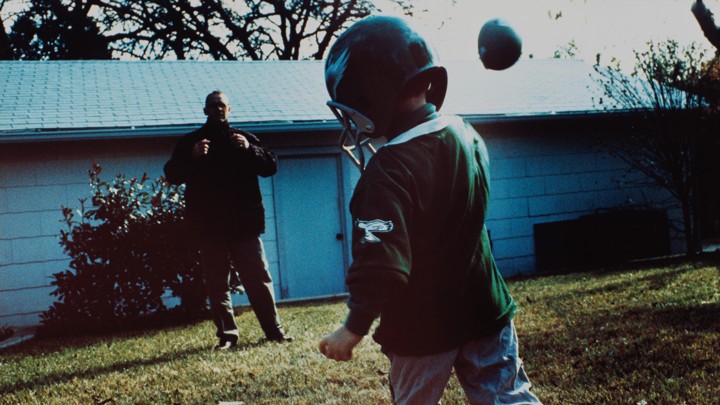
[382, 255]
[262, 161]
[180, 166]
[369, 291]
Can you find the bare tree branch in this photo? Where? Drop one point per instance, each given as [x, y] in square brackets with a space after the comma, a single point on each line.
[706, 20]
[672, 89]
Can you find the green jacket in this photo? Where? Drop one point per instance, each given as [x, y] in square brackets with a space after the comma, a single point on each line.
[421, 253]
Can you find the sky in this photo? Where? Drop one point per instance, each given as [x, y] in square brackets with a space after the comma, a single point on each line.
[613, 28]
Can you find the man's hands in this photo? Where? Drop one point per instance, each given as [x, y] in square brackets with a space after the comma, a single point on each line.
[202, 147]
[339, 345]
[239, 141]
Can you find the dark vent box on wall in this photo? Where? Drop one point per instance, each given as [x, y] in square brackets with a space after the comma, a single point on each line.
[605, 238]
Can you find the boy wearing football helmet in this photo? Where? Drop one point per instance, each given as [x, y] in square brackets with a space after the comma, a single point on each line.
[421, 253]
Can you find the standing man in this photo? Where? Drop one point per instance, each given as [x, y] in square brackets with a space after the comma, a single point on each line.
[226, 217]
[421, 253]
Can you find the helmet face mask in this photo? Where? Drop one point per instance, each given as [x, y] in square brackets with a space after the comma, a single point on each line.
[367, 70]
[356, 126]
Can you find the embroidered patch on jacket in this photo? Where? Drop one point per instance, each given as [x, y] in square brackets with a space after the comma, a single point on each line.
[374, 225]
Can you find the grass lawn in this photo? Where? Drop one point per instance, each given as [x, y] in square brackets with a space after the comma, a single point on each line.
[644, 334]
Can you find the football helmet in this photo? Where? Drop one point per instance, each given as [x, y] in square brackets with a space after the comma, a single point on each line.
[367, 69]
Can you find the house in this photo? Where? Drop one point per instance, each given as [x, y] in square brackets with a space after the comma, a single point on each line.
[538, 118]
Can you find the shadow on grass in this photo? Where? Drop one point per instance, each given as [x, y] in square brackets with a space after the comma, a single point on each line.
[678, 263]
[635, 336]
[91, 373]
[655, 281]
[48, 341]
[631, 347]
[669, 271]
[667, 342]
[121, 366]
[49, 344]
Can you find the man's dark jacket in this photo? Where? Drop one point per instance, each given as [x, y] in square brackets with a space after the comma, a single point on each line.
[222, 192]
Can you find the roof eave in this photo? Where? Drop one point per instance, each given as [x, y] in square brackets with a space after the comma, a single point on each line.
[172, 131]
[479, 119]
[163, 131]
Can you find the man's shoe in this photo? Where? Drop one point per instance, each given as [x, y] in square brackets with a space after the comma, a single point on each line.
[225, 345]
[280, 338]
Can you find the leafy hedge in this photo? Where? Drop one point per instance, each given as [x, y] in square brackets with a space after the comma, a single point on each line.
[127, 249]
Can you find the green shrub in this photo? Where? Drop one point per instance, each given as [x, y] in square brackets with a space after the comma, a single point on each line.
[126, 251]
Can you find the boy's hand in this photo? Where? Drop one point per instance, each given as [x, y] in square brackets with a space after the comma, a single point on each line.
[339, 345]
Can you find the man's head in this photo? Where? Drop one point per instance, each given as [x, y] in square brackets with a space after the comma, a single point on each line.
[217, 107]
[368, 71]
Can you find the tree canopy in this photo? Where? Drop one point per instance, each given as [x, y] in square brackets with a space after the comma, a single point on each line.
[181, 29]
[50, 29]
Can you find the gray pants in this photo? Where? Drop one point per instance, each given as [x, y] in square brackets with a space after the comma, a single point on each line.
[247, 256]
[489, 370]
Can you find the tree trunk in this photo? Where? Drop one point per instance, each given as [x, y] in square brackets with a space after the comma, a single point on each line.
[691, 230]
[6, 50]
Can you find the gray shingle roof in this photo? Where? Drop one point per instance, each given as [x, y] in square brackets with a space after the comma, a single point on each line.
[529, 88]
[49, 97]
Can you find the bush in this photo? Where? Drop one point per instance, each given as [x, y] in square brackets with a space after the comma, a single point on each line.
[6, 333]
[126, 251]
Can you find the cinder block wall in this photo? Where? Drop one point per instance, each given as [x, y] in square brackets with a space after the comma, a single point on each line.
[35, 181]
[547, 177]
[536, 178]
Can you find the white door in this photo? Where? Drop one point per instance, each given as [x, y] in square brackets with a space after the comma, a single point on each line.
[310, 236]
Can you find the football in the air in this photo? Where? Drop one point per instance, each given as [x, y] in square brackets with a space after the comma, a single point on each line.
[499, 46]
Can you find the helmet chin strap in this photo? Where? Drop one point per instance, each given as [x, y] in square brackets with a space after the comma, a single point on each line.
[355, 127]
